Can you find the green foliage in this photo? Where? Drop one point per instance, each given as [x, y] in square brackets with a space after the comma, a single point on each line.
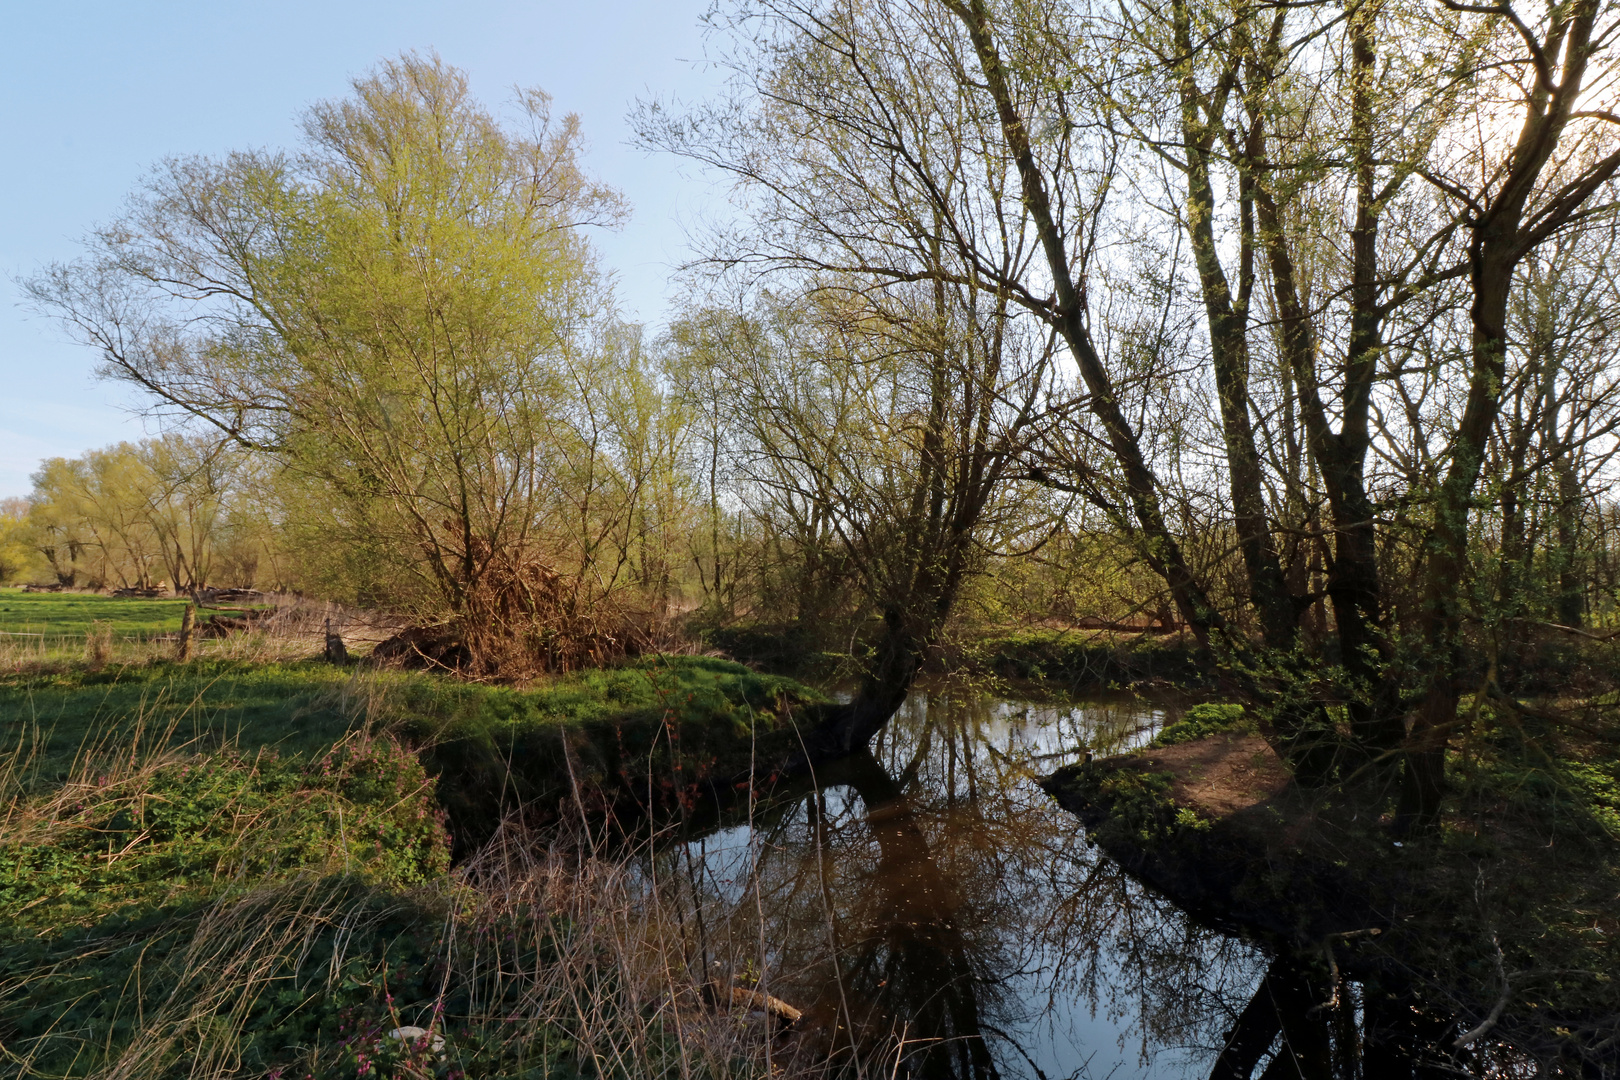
[179, 510]
[1202, 720]
[1086, 659]
[413, 329]
[264, 913]
[186, 831]
[156, 868]
[20, 559]
[1139, 808]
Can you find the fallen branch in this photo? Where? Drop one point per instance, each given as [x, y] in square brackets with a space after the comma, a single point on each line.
[735, 997]
[1496, 1010]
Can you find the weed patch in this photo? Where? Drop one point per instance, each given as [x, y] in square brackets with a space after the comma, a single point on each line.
[1203, 720]
[178, 900]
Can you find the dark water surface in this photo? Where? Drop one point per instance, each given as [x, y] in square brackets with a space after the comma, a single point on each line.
[934, 890]
[931, 890]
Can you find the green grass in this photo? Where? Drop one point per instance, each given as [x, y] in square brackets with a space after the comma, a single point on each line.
[303, 708]
[213, 880]
[227, 868]
[59, 616]
[179, 830]
[661, 732]
[299, 708]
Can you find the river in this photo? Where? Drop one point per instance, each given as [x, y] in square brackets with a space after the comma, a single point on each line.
[930, 892]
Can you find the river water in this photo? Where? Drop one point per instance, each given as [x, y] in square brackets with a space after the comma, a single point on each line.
[932, 892]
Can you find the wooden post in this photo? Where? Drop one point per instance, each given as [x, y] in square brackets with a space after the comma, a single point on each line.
[336, 653]
[188, 623]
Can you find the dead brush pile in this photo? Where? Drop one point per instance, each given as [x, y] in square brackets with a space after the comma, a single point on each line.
[517, 618]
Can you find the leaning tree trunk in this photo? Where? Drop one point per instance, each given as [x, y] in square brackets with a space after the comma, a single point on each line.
[1067, 316]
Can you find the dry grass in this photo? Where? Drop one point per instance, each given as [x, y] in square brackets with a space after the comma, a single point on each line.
[296, 631]
[547, 954]
[547, 951]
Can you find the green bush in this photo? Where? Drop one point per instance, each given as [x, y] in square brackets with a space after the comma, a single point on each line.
[1202, 721]
[1086, 660]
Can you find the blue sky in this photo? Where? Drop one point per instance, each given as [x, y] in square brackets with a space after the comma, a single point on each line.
[95, 93]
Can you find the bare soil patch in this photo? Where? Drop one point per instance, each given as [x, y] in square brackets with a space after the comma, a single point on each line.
[1221, 775]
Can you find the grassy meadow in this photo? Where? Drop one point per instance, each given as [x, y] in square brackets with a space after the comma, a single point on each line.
[59, 618]
[237, 866]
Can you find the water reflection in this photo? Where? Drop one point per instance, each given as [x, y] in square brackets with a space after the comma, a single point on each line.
[929, 891]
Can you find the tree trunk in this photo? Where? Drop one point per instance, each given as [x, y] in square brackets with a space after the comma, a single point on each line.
[1446, 559]
[1569, 602]
[1499, 240]
[1227, 319]
[1353, 582]
[1068, 317]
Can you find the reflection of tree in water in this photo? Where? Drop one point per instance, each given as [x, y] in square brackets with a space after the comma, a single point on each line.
[930, 890]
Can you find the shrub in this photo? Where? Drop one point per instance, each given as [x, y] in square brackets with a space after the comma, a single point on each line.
[1203, 720]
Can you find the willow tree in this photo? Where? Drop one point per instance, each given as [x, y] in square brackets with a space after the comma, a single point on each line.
[1339, 199]
[881, 434]
[19, 557]
[898, 414]
[873, 157]
[400, 309]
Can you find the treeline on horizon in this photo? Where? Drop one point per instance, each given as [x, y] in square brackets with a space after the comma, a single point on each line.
[186, 512]
[1288, 326]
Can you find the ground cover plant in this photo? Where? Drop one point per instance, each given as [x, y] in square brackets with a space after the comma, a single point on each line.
[68, 617]
[226, 868]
